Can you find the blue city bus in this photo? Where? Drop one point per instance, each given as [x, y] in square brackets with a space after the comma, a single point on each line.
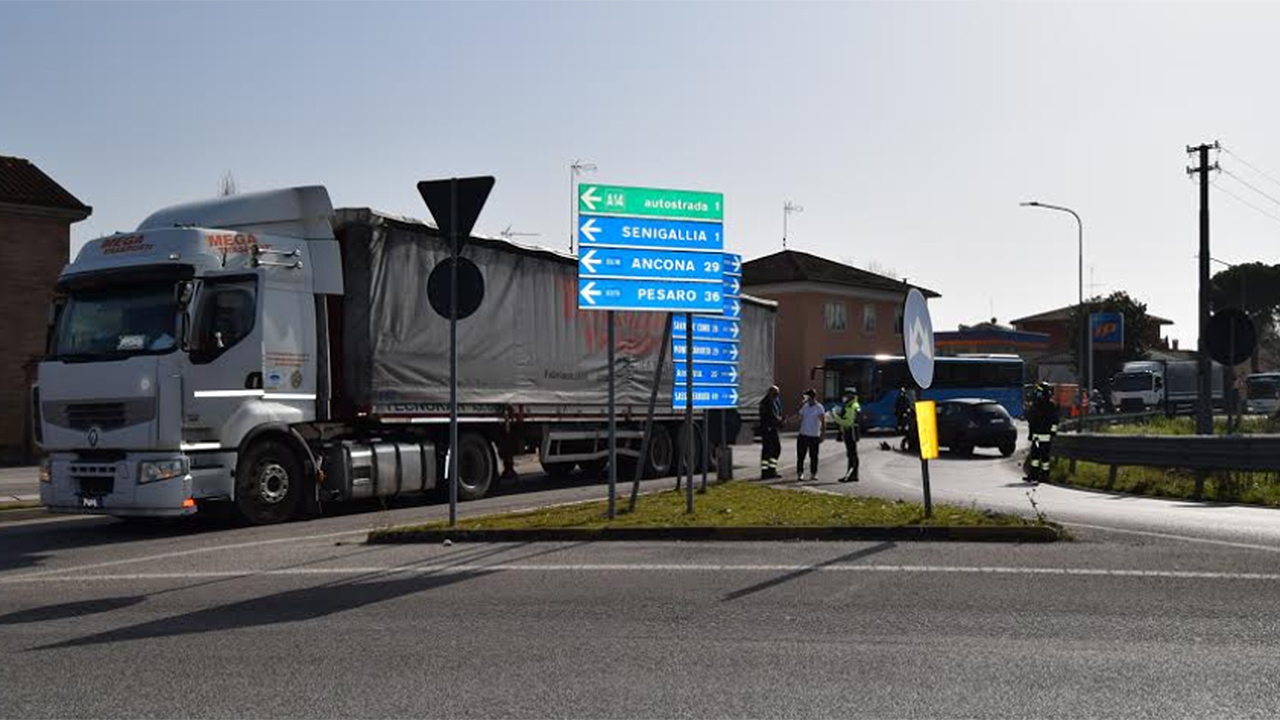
[878, 377]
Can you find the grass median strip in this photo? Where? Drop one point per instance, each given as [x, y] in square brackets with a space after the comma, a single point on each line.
[1250, 488]
[734, 505]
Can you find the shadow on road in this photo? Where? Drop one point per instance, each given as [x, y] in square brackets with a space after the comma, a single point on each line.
[289, 606]
[782, 579]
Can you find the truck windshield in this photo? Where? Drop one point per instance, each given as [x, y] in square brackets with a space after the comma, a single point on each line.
[1132, 382]
[1264, 388]
[118, 321]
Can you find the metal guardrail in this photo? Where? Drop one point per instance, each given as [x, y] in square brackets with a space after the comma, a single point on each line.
[1084, 422]
[1192, 452]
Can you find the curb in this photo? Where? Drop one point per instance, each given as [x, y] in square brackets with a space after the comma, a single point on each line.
[932, 533]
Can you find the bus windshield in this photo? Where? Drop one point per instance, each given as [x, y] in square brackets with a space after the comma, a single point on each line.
[1264, 388]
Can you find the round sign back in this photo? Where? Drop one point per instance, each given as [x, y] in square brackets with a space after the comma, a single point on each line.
[470, 288]
[917, 338]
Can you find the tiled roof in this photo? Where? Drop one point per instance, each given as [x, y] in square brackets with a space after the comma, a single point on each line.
[1064, 313]
[795, 266]
[22, 183]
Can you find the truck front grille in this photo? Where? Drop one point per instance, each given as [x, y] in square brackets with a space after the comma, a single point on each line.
[111, 415]
[94, 479]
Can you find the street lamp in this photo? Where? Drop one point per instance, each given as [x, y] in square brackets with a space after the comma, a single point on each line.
[575, 167]
[788, 208]
[1080, 291]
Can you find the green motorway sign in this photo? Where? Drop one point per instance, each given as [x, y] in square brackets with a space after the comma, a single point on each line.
[650, 202]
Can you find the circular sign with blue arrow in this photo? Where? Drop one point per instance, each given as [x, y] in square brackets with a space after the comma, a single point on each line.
[917, 338]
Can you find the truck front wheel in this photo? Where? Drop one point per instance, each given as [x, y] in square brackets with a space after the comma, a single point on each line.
[268, 483]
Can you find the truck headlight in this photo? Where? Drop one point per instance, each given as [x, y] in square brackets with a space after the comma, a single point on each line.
[156, 470]
[46, 470]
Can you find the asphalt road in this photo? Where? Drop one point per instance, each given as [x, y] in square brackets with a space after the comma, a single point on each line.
[100, 619]
[301, 627]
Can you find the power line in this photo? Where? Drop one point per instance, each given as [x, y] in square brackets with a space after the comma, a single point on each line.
[1251, 186]
[1242, 201]
[1249, 165]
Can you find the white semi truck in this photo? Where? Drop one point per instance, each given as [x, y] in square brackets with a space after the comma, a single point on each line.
[1168, 385]
[265, 351]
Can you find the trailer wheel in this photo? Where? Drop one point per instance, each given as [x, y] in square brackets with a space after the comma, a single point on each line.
[268, 483]
[681, 458]
[661, 456]
[477, 467]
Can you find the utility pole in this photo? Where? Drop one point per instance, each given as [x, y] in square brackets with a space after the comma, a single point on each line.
[1204, 401]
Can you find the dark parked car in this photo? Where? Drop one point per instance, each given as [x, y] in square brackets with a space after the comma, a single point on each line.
[967, 423]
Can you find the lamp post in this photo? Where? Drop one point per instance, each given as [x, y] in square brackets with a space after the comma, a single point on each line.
[575, 167]
[788, 208]
[1084, 328]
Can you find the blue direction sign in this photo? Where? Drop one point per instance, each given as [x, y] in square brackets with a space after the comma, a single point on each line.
[706, 351]
[732, 308]
[640, 234]
[732, 286]
[733, 264]
[707, 397]
[627, 263]
[705, 374]
[648, 295]
[707, 328]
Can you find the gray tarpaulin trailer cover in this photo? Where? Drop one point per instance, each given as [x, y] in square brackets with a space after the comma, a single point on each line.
[528, 346]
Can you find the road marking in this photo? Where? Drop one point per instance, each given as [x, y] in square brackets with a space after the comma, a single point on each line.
[1171, 536]
[441, 569]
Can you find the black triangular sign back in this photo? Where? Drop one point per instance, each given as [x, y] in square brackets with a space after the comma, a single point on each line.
[472, 193]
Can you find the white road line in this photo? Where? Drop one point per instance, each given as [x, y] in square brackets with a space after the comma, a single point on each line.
[1171, 536]
[648, 568]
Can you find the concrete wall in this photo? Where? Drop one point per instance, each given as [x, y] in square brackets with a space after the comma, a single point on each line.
[34, 249]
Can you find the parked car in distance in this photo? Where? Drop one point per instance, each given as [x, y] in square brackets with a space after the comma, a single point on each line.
[968, 423]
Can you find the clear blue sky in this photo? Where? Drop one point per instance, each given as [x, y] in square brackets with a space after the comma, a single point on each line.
[909, 131]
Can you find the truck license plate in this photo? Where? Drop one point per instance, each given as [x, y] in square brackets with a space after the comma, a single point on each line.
[94, 503]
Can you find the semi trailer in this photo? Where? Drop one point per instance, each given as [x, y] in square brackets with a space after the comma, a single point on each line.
[268, 352]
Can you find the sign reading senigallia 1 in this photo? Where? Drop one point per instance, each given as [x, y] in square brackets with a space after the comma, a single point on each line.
[917, 338]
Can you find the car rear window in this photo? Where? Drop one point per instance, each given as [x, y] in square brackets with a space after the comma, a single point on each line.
[993, 410]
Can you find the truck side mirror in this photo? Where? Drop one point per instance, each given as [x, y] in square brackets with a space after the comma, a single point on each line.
[182, 293]
[1159, 383]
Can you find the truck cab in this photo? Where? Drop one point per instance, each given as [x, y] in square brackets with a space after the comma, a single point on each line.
[1137, 389]
[184, 349]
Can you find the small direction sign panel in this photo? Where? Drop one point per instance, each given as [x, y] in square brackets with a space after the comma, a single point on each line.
[708, 328]
[707, 351]
[707, 398]
[639, 233]
[651, 202]
[708, 374]
[648, 295]
[631, 264]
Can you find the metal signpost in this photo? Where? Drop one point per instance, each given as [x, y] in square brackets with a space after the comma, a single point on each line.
[917, 340]
[455, 204]
[654, 250]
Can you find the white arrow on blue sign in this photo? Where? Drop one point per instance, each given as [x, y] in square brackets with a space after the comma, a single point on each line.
[707, 351]
[708, 328]
[625, 263]
[732, 286]
[732, 308]
[732, 264]
[640, 234]
[708, 374]
[683, 296]
[707, 397]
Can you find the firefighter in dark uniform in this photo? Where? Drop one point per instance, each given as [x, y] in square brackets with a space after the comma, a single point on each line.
[1042, 418]
[770, 424]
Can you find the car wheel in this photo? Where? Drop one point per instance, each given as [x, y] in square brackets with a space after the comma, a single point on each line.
[1007, 448]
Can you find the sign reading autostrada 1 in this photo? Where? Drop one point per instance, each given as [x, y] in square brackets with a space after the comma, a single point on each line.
[650, 249]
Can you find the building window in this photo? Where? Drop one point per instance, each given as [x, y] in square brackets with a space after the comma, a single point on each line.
[836, 316]
[897, 321]
[869, 318]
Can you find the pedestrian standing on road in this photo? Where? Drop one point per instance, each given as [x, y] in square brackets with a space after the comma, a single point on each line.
[770, 443]
[847, 420]
[1042, 421]
[901, 409]
[813, 423]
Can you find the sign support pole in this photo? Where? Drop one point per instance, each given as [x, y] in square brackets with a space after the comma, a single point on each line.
[688, 409]
[613, 427]
[706, 449]
[928, 496]
[648, 421]
[453, 356]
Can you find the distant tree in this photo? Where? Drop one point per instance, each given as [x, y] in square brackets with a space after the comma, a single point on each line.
[1138, 329]
[228, 186]
[1255, 289]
